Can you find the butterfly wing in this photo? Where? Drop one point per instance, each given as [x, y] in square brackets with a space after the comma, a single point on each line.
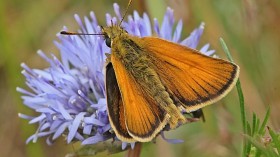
[192, 79]
[115, 106]
[141, 115]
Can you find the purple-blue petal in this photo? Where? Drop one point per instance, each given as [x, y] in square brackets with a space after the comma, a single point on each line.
[90, 120]
[45, 110]
[147, 23]
[173, 141]
[106, 128]
[80, 22]
[79, 137]
[193, 40]
[55, 124]
[44, 126]
[205, 50]
[156, 28]
[124, 145]
[64, 112]
[132, 145]
[117, 11]
[167, 25]
[94, 139]
[87, 129]
[178, 31]
[25, 116]
[37, 119]
[25, 92]
[74, 126]
[60, 130]
[94, 22]
[36, 135]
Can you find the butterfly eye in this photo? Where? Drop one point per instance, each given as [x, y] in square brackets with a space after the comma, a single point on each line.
[108, 41]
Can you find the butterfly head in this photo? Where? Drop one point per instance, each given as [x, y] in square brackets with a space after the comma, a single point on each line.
[111, 33]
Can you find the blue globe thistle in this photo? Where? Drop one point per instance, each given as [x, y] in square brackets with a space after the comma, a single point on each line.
[69, 95]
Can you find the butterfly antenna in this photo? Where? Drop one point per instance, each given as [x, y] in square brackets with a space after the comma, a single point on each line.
[75, 33]
[128, 5]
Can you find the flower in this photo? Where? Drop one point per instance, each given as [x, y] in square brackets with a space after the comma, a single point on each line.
[69, 95]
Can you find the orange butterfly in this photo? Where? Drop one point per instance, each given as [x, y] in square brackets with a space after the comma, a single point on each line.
[151, 81]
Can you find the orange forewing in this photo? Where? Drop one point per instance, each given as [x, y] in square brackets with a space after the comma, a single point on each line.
[115, 105]
[143, 117]
[192, 79]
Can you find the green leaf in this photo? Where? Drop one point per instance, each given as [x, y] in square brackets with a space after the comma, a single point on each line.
[275, 139]
[248, 144]
[254, 124]
[267, 151]
[257, 126]
[262, 129]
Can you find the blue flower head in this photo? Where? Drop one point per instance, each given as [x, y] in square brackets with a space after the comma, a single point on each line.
[69, 95]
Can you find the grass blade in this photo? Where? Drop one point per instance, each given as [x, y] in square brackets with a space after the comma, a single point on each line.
[275, 139]
[262, 129]
[241, 97]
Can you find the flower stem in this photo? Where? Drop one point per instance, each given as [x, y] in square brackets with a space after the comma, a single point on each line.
[135, 152]
[241, 99]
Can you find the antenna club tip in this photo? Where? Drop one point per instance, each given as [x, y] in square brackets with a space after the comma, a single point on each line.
[64, 32]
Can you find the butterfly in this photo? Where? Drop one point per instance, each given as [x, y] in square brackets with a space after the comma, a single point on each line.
[152, 82]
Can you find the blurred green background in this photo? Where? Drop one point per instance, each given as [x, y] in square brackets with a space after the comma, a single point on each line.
[249, 27]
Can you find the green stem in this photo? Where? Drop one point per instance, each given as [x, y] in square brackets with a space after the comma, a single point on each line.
[240, 95]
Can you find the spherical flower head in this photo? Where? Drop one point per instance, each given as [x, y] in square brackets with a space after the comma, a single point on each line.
[69, 95]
